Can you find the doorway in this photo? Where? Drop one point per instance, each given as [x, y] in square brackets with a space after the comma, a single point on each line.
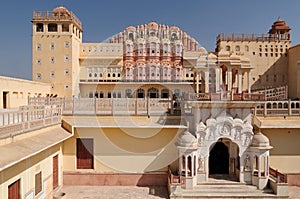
[5, 99]
[219, 159]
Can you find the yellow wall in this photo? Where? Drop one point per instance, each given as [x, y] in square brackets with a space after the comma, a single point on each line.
[294, 72]
[26, 171]
[285, 156]
[118, 150]
[268, 59]
[19, 90]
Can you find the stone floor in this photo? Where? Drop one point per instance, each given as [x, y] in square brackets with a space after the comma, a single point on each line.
[113, 192]
[130, 192]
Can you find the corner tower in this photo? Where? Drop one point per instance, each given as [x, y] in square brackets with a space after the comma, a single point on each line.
[56, 41]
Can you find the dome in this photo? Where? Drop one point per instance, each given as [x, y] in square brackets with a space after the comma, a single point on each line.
[61, 9]
[174, 28]
[186, 139]
[260, 140]
[153, 25]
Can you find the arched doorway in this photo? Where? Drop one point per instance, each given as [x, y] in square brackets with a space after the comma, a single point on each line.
[219, 159]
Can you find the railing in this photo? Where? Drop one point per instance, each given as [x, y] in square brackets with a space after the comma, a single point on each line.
[28, 118]
[116, 106]
[226, 95]
[249, 37]
[276, 93]
[279, 177]
[286, 107]
[48, 15]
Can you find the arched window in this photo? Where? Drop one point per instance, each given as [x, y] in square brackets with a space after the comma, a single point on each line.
[174, 36]
[130, 36]
[227, 48]
[153, 92]
[237, 48]
[128, 93]
[52, 27]
[164, 93]
[39, 27]
[247, 48]
[140, 93]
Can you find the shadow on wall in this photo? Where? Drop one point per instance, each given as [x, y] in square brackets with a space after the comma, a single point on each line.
[275, 76]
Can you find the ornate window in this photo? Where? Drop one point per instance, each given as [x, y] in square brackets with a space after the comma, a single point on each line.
[153, 93]
[128, 93]
[174, 36]
[164, 93]
[130, 36]
[140, 93]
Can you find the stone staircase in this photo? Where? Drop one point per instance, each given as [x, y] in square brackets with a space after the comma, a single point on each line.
[225, 189]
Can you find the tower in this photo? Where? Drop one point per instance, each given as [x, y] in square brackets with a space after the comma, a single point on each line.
[56, 41]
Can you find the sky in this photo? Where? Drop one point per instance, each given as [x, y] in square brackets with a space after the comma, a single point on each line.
[201, 19]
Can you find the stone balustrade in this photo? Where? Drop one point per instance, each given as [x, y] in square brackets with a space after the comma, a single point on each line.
[27, 118]
[282, 107]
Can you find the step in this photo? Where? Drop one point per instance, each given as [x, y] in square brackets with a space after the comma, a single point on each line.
[225, 191]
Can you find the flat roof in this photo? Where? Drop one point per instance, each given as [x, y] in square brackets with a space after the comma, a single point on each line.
[125, 121]
[278, 122]
[23, 149]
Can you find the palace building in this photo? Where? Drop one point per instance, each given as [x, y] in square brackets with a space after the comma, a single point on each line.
[152, 107]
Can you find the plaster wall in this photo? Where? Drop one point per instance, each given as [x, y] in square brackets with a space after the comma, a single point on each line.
[18, 91]
[26, 171]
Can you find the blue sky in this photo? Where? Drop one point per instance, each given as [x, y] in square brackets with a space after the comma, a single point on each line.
[203, 20]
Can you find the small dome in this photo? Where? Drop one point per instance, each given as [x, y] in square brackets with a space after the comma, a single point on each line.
[61, 9]
[131, 28]
[174, 28]
[186, 139]
[153, 25]
[260, 140]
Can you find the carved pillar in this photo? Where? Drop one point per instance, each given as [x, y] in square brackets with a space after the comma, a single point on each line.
[206, 76]
[240, 87]
[229, 78]
[248, 82]
[197, 82]
[217, 71]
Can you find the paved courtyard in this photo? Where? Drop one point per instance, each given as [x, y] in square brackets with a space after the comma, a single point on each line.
[129, 192]
[114, 192]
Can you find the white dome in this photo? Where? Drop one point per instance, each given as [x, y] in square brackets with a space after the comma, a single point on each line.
[260, 140]
[186, 139]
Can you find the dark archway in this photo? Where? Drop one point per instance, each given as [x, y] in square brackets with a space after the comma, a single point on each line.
[219, 159]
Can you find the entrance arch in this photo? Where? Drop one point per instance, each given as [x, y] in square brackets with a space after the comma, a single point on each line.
[219, 159]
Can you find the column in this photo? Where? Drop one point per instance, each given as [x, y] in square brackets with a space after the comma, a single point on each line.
[206, 161]
[180, 164]
[197, 82]
[221, 77]
[229, 78]
[240, 87]
[217, 72]
[258, 164]
[248, 82]
[186, 166]
[192, 166]
[206, 76]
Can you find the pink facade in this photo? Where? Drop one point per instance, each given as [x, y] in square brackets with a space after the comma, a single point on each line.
[154, 52]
